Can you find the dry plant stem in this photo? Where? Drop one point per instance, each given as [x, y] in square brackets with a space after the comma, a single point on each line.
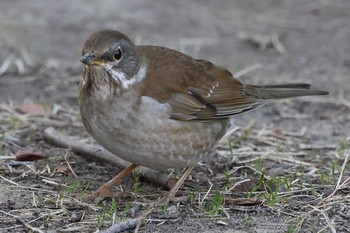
[247, 70]
[96, 152]
[10, 181]
[19, 219]
[329, 198]
[68, 164]
[142, 218]
[342, 99]
[339, 185]
[170, 196]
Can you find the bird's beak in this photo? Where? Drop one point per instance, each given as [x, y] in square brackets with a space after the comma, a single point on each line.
[89, 59]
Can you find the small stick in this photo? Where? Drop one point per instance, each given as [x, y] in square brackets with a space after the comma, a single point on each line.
[66, 159]
[97, 152]
[338, 186]
[19, 219]
[247, 70]
[10, 181]
[342, 99]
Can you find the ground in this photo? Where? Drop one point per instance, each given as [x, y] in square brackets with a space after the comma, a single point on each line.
[284, 169]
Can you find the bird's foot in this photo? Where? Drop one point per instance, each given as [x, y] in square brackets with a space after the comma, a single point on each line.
[103, 193]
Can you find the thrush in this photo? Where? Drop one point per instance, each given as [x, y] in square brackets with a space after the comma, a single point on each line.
[159, 108]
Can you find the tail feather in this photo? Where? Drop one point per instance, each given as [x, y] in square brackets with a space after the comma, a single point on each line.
[282, 91]
[289, 85]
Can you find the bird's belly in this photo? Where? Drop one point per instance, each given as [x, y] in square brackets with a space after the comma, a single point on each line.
[144, 135]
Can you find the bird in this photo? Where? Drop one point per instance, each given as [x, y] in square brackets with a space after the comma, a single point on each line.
[157, 107]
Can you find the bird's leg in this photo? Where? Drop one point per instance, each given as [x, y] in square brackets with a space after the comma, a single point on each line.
[171, 194]
[105, 189]
[166, 198]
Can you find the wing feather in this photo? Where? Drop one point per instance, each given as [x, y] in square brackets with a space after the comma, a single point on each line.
[199, 90]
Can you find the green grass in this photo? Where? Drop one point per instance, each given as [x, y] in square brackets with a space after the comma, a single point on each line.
[163, 208]
[137, 187]
[272, 187]
[125, 211]
[70, 189]
[192, 196]
[291, 229]
[247, 221]
[342, 145]
[77, 186]
[15, 121]
[214, 206]
[110, 213]
[84, 186]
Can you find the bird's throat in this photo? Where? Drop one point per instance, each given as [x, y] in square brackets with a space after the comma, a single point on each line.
[124, 81]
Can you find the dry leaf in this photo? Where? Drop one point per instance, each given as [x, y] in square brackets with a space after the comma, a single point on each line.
[33, 109]
[171, 182]
[243, 201]
[23, 155]
[61, 169]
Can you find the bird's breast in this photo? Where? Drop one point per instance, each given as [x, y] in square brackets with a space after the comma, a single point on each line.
[138, 129]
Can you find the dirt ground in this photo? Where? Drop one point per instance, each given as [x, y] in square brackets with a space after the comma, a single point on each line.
[285, 169]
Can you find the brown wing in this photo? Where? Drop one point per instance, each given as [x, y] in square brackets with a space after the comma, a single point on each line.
[196, 91]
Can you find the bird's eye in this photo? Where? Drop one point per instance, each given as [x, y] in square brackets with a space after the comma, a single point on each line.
[117, 55]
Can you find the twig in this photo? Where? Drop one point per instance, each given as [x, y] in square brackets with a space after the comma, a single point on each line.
[97, 152]
[236, 184]
[342, 99]
[43, 215]
[206, 194]
[68, 164]
[262, 155]
[247, 70]
[338, 185]
[10, 181]
[329, 146]
[142, 218]
[7, 63]
[329, 198]
[19, 219]
[329, 223]
[278, 45]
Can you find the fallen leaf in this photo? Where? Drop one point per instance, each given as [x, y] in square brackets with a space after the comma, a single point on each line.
[171, 182]
[33, 109]
[243, 201]
[23, 155]
[61, 169]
